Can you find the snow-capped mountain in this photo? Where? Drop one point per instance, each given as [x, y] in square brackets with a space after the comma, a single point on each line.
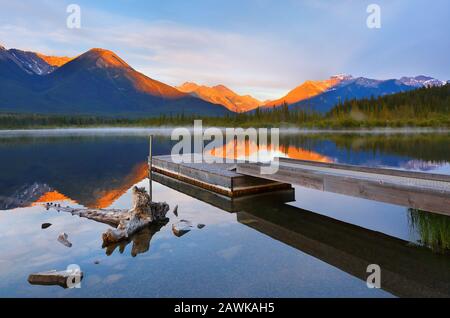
[342, 77]
[32, 62]
[421, 81]
[323, 95]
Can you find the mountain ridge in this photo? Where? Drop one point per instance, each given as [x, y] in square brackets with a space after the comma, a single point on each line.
[220, 94]
[323, 95]
[308, 89]
[96, 82]
[100, 82]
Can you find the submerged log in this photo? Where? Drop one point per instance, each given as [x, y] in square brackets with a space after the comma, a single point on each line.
[126, 222]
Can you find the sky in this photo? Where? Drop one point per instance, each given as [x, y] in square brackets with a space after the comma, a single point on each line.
[260, 47]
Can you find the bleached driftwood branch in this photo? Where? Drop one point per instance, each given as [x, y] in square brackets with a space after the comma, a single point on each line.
[127, 222]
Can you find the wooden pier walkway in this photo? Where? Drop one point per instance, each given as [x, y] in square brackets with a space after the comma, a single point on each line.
[423, 191]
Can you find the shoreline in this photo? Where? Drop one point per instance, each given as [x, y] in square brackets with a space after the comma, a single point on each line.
[167, 130]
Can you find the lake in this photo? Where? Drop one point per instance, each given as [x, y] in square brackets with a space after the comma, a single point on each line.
[314, 245]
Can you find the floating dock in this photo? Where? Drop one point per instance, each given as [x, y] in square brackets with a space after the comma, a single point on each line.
[422, 191]
[225, 202]
[217, 177]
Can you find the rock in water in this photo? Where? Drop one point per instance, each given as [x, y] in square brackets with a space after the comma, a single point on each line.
[200, 226]
[63, 239]
[65, 279]
[45, 226]
[181, 228]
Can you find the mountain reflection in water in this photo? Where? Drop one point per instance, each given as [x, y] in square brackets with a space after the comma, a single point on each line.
[249, 150]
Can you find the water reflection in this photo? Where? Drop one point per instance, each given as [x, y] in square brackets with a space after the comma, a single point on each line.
[140, 241]
[423, 152]
[91, 171]
[263, 242]
[249, 150]
[96, 170]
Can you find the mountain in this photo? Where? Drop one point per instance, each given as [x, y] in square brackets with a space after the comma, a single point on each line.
[34, 63]
[421, 81]
[308, 89]
[55, 61]
[16, 78]
[97, 82]
[341, 88]
[425, 103]
[222, 95]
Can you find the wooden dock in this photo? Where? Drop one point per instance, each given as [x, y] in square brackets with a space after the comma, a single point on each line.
[217, 177]
[423, 191]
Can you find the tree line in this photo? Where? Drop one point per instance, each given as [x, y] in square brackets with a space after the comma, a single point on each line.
[423, 107]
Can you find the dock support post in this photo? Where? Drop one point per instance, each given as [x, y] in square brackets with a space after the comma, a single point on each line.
[150, 158]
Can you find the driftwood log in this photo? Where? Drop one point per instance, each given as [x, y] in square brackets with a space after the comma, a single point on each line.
[126, 222]
[65, 279]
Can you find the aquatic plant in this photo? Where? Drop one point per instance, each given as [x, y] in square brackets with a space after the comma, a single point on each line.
[433, 229]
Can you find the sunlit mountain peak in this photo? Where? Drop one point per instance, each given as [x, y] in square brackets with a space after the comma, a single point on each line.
[220, 94]
[56, 61]
[309, 89]
[104, 58]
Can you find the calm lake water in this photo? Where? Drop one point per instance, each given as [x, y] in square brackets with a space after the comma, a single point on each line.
[318, 245]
